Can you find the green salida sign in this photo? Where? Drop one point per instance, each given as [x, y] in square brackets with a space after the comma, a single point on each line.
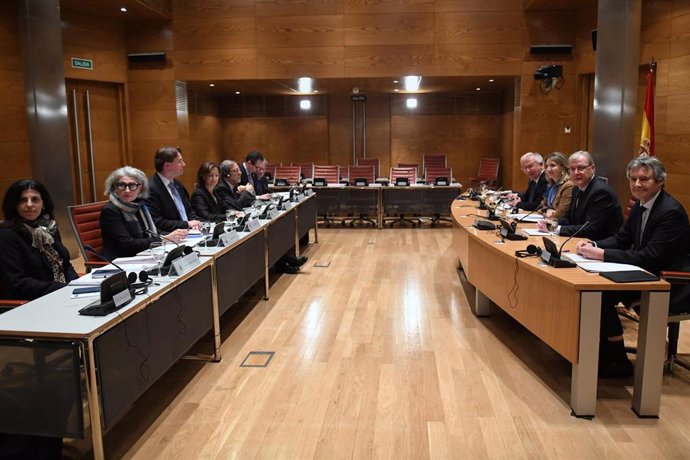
[80, 63]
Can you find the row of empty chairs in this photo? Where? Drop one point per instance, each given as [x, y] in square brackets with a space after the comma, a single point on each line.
[333, 174]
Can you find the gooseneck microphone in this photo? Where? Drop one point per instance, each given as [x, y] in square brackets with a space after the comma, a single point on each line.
[528, 214]
[92, 251]
[571, 237]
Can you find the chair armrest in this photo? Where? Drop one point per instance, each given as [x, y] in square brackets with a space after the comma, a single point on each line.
[6, 304]
[676, 277]
[91, 264]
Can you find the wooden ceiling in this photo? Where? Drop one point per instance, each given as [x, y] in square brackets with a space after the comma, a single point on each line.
[137, 10]
[346, 85]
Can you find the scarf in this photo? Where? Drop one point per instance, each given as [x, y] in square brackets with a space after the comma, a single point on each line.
[43, 231]
[130, 210]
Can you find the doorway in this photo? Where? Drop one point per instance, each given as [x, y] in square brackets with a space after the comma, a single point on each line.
[97, 135]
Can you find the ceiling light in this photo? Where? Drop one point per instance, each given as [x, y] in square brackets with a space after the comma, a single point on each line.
[123, 9]
[316, 90]
[478, 88]
[395, 81]
[237, 92]
[491, 80]
[411, 102]
[211, 85]
[304, 84]
[412, 82]
[305, 104]
[396, 90]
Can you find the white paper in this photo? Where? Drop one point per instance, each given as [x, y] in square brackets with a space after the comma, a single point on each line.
[536, 217]
[535, 232]
[597, 267]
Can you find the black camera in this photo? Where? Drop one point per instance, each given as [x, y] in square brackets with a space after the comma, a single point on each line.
[547, 72]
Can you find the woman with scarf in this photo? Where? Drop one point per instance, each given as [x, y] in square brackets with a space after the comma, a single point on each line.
[126, 224]
[34, 262]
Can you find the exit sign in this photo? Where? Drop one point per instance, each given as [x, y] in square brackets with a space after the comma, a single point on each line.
[79, 63]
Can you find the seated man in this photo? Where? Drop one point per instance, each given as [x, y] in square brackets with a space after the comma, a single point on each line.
[532, 164]
[168, 200]
[594, 203]
[655, 237]
[227, 189]
[252, 162]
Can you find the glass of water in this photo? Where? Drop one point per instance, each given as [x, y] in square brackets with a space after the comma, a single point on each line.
[157, 251]
[205, 229]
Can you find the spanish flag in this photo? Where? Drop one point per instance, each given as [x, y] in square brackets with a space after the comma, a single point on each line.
[647, 136]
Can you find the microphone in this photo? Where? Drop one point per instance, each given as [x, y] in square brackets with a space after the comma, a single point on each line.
[586, 224]
[92, 251]
[156, 235]
[528, 214]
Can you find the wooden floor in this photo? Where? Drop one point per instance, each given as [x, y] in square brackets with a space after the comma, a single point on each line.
[377, 355]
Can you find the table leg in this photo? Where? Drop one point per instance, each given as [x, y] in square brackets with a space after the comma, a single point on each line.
[583, 384]
[92, 398]
[650, 353]
[266, 264]
[216, 316]
[482, 304]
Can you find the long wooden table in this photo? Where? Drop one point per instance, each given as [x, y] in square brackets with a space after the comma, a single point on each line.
[45, 344]
[562, 307]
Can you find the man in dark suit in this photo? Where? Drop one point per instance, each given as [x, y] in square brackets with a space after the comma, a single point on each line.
[655, 237]
[168, 200]
[532, 164]
[593, 202]
[227, 188]
[252, 162]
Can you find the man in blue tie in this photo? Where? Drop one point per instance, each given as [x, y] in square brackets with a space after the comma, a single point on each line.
[656, 237]
[168, 200]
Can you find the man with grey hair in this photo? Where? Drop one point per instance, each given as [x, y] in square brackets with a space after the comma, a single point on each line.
[593, 204]
[656, 237]
[227, 189]
[532, 164]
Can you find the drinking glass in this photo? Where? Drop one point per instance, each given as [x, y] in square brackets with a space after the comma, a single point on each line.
[205, 229]
[157, 250]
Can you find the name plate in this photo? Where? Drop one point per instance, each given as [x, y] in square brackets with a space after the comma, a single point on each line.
[441, 182]
[253, 225]
[300, 198]
[182, 265]
[308, 192]
[228, 238]
[122, 298]
[273, 213]
[289, 205]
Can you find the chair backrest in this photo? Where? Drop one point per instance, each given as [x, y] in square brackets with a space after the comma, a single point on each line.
[432, 172]
[488, 169]
[409, 165]
[289, 173]
[271, 170]
[433, 160]
[360, 171]
[329, 172]
[306, 169]
[370, 162]
[86, 225]
[410, 173]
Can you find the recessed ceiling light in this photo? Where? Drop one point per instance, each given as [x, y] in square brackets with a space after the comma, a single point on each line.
[123, 9]
[396, 90]
[237, 92]
[395, 81]
[491, 80]
[305, 104]
[304, 84]
[316, 90]
[411, 102]
[478, 88]
[412, 82]
[211, 85]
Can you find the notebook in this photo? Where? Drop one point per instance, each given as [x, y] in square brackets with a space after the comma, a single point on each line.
[629, 276]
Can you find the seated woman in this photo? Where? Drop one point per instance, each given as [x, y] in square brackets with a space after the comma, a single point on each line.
[34, 262]
[126, 224]
[559, 191]
[204, 200]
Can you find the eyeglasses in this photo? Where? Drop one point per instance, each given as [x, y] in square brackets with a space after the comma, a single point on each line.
[132, 186]
[578, 168]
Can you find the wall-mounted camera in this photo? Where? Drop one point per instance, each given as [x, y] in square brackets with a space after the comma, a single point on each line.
[549, 76]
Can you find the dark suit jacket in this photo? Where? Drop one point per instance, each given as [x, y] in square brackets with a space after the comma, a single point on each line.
[162, 207]
[663, 246]
[207, 207]
[245, 176]
[230, 199]
[529, 201]
[262, 186]
[599, 206]
[25, 273]
[122, 237]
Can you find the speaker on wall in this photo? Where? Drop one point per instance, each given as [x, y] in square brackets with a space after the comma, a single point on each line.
[147, 57]
[551, 49]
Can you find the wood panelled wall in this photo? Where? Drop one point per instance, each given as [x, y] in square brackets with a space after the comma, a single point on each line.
[14, 133]
[666, 38]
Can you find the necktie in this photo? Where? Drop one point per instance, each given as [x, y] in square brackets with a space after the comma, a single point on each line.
[643, 222]
[178, 201]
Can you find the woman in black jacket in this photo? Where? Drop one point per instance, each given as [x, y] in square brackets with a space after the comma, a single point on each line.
[34, 262]
[204, 200]
[126, 224]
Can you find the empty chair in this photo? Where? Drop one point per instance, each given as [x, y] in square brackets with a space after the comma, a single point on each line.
[331, 173]
[409, 172]
[86, 225]
[488, 173]
[361, 172]
[306, 169]
[370, 162]
[287, 175]
[431, 173]
[271, 172]
[434, 160]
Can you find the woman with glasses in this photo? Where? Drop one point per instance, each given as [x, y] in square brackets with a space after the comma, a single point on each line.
[204, 199]
[34, 262]
[559, 191]
[126, 224]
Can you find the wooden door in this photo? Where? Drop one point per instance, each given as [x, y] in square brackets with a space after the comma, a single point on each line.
[97, 135]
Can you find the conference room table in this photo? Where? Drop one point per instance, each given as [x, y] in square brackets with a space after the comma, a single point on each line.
[561, 306]
[50, 356]
[385, 202]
